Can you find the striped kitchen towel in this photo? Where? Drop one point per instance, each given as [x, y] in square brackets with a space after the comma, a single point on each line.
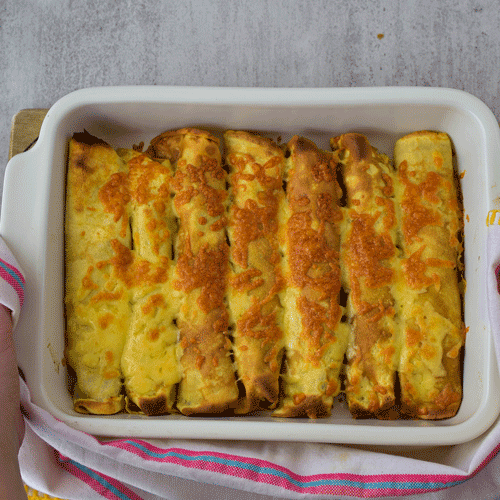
[12, 283]
[72, 464]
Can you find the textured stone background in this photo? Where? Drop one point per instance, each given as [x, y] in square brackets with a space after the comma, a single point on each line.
[49, 48]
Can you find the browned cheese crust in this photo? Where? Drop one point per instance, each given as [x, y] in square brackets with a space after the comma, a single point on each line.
[370, 258]
[256, 167]
[314, 339]
[208, 384]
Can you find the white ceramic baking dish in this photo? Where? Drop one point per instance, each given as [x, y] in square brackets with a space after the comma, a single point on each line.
[32, 225]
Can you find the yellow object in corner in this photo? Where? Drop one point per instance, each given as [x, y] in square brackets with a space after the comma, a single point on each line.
[34, 495]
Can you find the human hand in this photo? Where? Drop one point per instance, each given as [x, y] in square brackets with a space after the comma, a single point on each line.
[11, 420]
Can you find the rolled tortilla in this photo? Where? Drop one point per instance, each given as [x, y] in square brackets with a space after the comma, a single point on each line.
[98, 242]
[208, 383]
[429, 293]
[315, 339]
[150, 361]
[370, 258]
[256, 167]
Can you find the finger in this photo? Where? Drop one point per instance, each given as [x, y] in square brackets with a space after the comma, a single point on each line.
[6, 340]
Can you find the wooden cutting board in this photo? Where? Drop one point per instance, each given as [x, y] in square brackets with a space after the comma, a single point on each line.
[25, 128]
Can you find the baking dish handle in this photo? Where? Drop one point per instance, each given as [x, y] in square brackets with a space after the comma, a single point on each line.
[21, 215]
